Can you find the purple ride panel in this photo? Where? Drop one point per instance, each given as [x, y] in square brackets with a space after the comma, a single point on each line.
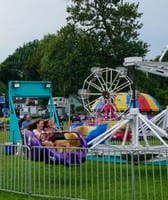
[49, 155]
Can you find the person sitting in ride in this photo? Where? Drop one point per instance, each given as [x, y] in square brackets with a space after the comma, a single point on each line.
[26, 122]
[40, 134]
[49, 136]
[60, 137]
[54, 135]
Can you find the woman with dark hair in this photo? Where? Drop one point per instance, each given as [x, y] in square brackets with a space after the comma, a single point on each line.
[38, 130]
[60, 137]
[49, 136]
[54, 135]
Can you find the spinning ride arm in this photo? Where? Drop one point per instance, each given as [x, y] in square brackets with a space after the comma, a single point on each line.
[158, 68]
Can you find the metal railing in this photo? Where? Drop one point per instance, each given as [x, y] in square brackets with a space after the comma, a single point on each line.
[104, 174]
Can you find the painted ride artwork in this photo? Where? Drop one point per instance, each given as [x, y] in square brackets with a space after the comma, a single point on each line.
[41, 89]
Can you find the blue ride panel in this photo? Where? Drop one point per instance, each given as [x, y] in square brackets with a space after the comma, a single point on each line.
[101, 128]
[25, 89]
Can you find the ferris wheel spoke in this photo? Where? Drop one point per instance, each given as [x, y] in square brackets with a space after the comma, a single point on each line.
[92, 94]
[106, 80]
[95, 86]
[114, 104]
[113, 97]
[116, 84]
[114, 80]
[111, 76]
[101, 82]
[91, 102]
[118, 110]
[129, 80]
[121, 87]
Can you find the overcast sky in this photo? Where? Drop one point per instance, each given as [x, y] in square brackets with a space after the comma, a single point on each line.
[22, 21]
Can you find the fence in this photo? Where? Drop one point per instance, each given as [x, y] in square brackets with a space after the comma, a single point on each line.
[105, 174]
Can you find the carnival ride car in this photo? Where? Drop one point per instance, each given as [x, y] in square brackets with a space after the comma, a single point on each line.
[50, 155]
[38, 89]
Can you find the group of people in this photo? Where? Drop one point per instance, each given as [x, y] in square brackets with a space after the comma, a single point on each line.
[48, 135]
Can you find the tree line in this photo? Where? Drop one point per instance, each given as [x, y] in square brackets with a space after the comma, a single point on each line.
[99, 33]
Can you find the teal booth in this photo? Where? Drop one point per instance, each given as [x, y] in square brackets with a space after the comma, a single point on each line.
[25, 89]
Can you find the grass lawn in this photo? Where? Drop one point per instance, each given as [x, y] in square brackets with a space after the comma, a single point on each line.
[13, 196]
[91, 180]
[4, 136]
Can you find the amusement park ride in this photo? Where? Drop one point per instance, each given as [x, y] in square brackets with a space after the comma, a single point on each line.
[26, 89]
[104, 84]
[101, 88]
[42, 89]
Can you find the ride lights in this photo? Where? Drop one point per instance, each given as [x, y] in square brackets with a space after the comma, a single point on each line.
[16, 85]
[47, 85]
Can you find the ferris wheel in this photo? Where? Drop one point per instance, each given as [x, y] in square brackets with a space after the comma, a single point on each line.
[100, 91]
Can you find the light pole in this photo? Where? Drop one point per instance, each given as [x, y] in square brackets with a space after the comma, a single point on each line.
[69, 110]
[133, 86]
[131, 62]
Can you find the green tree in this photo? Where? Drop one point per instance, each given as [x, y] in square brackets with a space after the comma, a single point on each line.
[154, 84]
[67, 58]
[3, 88]
[160, 84]
[13, 67]
[32, 67]
[113, 24]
